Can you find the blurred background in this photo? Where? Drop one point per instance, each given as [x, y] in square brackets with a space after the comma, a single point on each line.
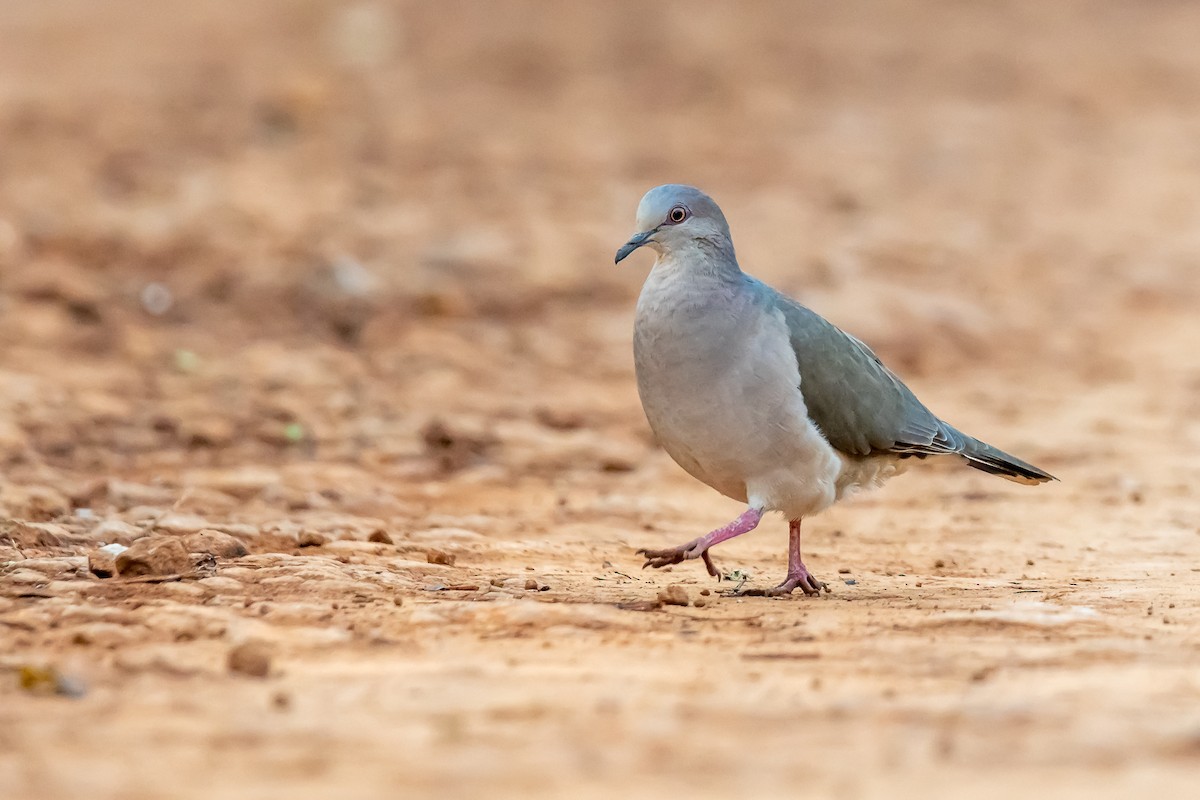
[303, 266]
[287, 192]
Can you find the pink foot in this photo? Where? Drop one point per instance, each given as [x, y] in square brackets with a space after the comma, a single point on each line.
[798, 575]
[698, 548]
[802, 580]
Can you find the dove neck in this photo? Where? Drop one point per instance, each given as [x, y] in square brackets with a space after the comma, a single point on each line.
[701, 257]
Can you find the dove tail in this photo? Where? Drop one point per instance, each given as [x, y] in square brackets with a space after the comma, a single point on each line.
[984, 457]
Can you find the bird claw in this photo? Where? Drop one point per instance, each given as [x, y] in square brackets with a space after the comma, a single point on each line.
[805, 583]
[711, 567]
[677, 555]
[661, 558]
[808, 584]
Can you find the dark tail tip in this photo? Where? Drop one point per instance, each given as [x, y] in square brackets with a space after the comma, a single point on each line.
[988, 459]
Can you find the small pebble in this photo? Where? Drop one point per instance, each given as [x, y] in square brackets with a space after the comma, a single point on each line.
[531, 584]
[311, 539]
[381, 536]
[153, 555]
[157, 299]
[440, 557]
[215, 543]
[250, 658]
[674, 595]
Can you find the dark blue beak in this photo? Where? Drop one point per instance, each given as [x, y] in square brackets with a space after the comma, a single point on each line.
[633, 244]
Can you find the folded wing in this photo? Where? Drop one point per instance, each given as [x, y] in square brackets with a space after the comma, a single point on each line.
[864, 409]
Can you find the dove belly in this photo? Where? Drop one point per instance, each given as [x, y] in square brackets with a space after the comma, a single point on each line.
[721, 391]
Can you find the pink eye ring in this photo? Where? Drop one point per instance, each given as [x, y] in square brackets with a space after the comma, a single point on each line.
[677, 215]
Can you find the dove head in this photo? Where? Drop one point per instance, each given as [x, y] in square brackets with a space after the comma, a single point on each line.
[676, 219]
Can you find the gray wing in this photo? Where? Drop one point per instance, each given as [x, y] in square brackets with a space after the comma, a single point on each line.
[860, 406]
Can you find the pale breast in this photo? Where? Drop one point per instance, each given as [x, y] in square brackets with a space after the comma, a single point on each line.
[719, 383]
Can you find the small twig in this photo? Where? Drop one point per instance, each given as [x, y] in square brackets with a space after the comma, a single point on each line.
[154, 578]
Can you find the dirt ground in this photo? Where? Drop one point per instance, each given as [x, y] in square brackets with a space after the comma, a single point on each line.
[335, 281]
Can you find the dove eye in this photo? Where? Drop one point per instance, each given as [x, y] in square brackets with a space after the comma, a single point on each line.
[677, 215]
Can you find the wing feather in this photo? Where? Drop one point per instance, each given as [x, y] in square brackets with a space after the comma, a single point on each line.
[856, 401]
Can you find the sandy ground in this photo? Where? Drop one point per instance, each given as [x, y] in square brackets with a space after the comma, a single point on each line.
[335, 281]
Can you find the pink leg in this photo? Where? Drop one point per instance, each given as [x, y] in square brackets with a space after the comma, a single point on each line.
[798, 576]
[698, 548]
